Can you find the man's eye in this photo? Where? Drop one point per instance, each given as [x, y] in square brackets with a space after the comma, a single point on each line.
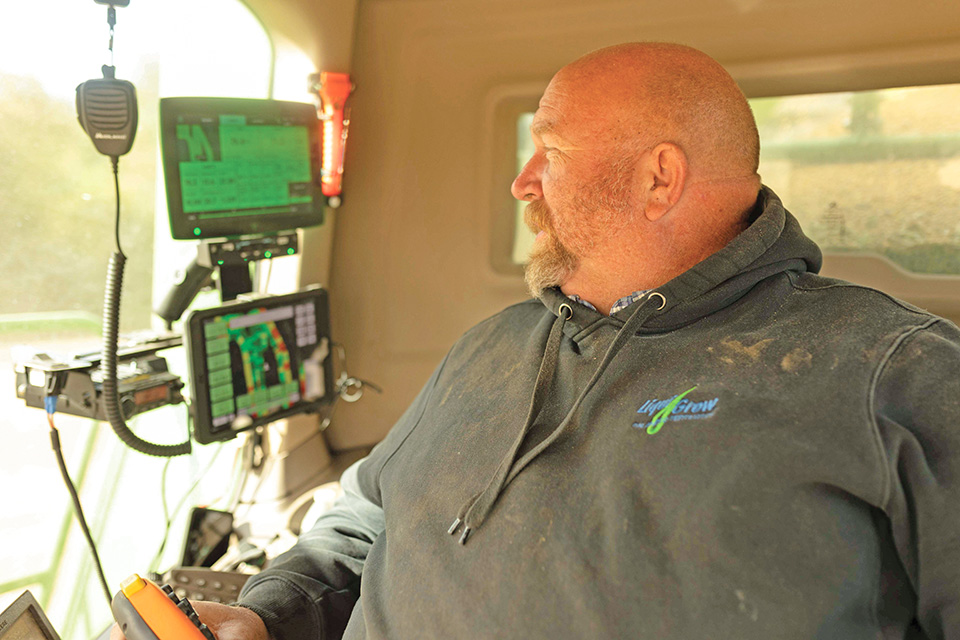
[556, 157]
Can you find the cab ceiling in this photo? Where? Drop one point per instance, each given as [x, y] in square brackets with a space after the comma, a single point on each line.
[921, 38]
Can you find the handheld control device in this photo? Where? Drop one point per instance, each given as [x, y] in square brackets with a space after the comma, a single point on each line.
[145, 611]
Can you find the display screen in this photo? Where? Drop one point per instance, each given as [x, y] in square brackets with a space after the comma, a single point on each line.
[233, 164]
[208, 537]
[26, 627]
[255, 362]
[235, 167]
[25, 620]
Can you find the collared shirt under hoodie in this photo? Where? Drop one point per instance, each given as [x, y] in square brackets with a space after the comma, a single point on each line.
[750, 451]
[618, 305]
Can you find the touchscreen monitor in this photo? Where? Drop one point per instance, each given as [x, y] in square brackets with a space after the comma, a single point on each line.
[237, 166]
[254, 362]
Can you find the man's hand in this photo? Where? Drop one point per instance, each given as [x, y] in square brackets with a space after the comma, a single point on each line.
[227, 623]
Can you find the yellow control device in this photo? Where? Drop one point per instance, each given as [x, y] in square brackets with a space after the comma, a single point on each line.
[145, 611]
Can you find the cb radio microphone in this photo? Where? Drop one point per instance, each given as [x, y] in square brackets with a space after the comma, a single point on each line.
[107, 111]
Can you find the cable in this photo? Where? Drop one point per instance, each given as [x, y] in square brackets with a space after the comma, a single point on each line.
[347, 387]
[246, 466]
[51, 406]
[266, 466]
[115, 161]
[108, 359]
[169, 517]
[155, 563]
[112, 21]
[163, 489]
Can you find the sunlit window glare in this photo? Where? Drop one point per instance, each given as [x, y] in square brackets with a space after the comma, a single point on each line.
[58, 198]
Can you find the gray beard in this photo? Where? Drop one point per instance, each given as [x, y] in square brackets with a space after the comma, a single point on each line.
[550, 265]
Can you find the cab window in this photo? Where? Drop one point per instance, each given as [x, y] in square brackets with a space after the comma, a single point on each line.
[58, 206]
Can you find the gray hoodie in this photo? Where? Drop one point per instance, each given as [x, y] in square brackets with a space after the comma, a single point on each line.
[752, 451]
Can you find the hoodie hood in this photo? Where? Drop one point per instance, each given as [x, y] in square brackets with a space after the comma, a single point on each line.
[773, 243]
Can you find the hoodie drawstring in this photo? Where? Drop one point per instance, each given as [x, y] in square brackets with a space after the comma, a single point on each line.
[548, 365]
[475, 511]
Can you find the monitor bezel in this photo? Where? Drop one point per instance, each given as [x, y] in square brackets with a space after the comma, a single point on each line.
[22, 605]
[234, 227]
[204, 431]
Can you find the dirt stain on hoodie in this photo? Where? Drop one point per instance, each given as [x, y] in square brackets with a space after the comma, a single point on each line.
[736, 350]
[796, 360]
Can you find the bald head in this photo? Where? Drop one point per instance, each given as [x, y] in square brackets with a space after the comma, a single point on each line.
[637, 146]
[658, 92]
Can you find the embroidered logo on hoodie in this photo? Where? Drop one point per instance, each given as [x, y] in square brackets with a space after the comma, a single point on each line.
[678, 407]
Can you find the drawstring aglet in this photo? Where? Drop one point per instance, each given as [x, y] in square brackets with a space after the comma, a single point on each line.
[454, 526]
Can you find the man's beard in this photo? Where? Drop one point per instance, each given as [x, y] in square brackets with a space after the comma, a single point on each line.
[550, 263]
[603, 211]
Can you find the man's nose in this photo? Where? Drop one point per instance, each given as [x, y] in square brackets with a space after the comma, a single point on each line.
[527, 185]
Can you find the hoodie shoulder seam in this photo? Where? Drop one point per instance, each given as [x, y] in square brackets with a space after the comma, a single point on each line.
[851, 285]
[895, 346]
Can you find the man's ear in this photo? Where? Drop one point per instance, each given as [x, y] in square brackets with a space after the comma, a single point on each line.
[665, 177]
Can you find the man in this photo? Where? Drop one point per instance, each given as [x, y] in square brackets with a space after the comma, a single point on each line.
[690, 434]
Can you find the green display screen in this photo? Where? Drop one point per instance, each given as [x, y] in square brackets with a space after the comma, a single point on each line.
[237, 167]
[232, 164]
[256, 361]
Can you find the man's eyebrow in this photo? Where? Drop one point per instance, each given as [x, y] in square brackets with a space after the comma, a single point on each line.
[541, 127]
